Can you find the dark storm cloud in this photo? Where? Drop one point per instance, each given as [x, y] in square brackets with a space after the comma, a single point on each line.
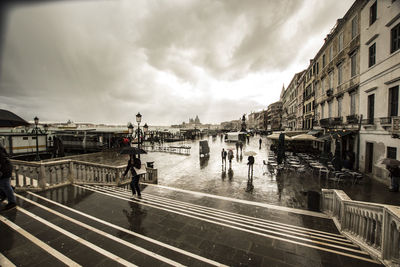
[103, 61]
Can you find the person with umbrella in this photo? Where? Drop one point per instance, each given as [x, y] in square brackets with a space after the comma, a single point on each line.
[134, 165]
[393, 166]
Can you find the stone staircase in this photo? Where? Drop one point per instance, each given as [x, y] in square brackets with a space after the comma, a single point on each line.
[89, 225]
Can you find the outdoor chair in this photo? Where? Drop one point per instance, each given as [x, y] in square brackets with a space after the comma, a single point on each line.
[324, 171]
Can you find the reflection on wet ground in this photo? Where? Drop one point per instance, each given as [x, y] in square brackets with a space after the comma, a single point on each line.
[191, 172]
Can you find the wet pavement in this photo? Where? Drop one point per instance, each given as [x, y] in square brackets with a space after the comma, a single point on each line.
[191, 172]
[104, 226]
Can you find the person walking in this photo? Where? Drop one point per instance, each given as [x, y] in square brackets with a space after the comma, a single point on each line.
[134, 164]
[237, 147]
[6, 190]
[260, 142]
[394, 173]
[230, 157]
[223, 156]
[250, 162]
[241, 147]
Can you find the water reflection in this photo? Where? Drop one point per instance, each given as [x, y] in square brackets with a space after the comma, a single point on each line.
[280, 182]
[135, 216]
[204, 161]
[230, 174]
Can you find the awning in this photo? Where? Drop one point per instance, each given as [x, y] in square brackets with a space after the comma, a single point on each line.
[325, 137]
[340, 134]
[315, 132]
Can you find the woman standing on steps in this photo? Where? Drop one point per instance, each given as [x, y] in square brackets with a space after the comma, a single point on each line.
[134, 164]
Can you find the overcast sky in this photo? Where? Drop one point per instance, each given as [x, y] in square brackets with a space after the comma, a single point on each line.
[104, 61]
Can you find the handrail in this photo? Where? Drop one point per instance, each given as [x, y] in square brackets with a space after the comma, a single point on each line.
[374, 227]
[38, 176]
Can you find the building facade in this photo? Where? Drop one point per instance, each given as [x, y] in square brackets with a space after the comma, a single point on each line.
[274, 112]
[379, 85]
[337, 78]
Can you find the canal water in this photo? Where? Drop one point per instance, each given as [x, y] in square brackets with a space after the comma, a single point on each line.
[192, 172]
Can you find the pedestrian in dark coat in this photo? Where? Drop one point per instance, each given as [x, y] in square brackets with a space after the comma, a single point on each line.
[394, 178]
[6, 190]
[132, 166]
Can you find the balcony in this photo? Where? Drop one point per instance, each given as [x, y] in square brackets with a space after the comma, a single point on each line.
[386, 121]
[337, 121]
[325, 122]
[369, 121]
[329, 92]
[352, 119]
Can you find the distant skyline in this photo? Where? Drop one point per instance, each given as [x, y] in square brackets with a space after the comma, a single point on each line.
[105, 61]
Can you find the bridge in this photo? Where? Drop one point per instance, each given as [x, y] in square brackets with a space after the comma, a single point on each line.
[84, 215]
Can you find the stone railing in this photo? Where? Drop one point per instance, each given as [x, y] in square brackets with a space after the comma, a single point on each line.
[374, 227]
[44, 175]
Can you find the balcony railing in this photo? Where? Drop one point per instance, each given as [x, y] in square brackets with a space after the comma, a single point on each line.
[352, 119]
[369, 121]
[325, 122]
[386, 120]
[337, 120]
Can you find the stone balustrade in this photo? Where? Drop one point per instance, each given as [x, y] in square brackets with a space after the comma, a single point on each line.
[374, 227]
[43, 175]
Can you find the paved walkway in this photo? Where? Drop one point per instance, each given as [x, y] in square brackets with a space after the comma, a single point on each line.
[104, 226]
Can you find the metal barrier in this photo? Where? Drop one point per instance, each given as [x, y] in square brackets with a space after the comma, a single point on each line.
[182, 150]
[37, 176]
[374, 227]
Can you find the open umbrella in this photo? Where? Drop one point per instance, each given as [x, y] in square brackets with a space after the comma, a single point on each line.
[391, 162]
[250, 153]
[304, 137]
[275, 136]
[130, 150]
[9, 119]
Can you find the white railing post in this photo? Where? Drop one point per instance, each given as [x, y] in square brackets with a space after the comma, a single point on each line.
[71, 172]
[42, 176]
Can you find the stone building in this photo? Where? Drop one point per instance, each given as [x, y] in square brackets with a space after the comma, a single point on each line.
[337, 77]
[379, 85]
[274, 118]
[309, 84]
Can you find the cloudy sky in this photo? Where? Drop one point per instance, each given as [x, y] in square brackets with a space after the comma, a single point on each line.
[104, 61]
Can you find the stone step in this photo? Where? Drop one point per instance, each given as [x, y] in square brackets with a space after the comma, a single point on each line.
[105, 226]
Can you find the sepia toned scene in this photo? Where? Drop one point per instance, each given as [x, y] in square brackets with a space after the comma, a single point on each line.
[199, 133]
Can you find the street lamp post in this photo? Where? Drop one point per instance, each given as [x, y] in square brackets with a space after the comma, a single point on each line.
[138, 120]
[130, 131]
[146, 128]
[36, 120]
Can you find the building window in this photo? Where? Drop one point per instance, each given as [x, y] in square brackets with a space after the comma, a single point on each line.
[340, 41]
[322, 110]
[394, 101]
[353, 104]
[339, 107]
[330, 53]
[330, 104]
[373, 13]
[322, 86]
[323, 61]
[371, 55]
[330, 80]
[317, 68]
[354, 27]
[353, 58]
[395, 38]
[371, 106]
[391, 152]
[340, 74]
